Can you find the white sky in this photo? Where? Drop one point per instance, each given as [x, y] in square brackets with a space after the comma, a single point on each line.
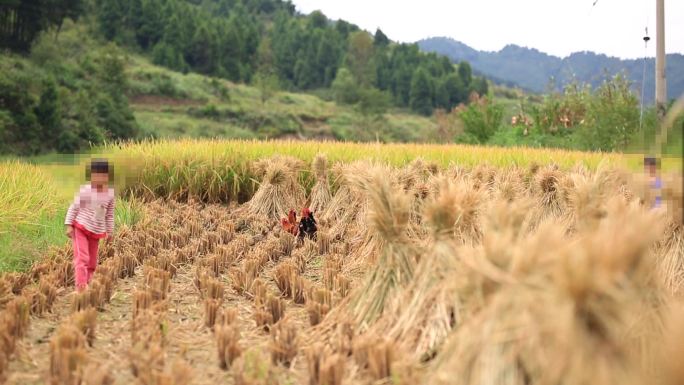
[557, 27]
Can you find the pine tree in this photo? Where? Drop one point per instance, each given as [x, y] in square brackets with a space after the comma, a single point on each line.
[48, 112]
[465, 72]
[421, 95]
[380, 40]
[359, 58]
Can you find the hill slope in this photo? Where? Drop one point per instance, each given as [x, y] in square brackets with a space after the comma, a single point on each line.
[532, 69]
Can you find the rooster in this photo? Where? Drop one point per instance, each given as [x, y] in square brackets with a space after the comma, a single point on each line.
[307, 225]
[289, 224]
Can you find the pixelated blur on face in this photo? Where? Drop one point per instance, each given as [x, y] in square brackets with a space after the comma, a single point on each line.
[98, 179]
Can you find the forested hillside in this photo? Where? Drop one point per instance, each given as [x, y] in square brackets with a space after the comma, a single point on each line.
[535, 70]
[55, 101]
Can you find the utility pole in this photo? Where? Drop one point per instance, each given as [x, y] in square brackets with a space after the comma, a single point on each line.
[660, 82]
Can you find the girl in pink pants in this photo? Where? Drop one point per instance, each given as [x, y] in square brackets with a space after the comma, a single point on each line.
[89, 219]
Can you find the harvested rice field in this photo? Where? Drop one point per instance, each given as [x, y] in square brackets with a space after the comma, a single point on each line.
[424, 273]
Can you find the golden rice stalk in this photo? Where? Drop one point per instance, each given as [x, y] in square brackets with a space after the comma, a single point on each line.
[332, 370]
[67, 356]
[455, 210]
[333, 262]
[587, 196]
[263, 318]
[147, 363]
[329, 276]
[380, 360]
[259, 291]
[283, 277]
[342, 286]
[560, 318]
[214, 289]
[324, 368]
[82, 300]
[323, 240]
[157, 282]
[388, 219]
[550, 187]
[314, 358]
[320, 193]
[299, 289]
[86, 322]
[275, 196]
[238, 280]
[283, 344]
[276, 306]
[211, 310]
[317, 312]
[97, 374]
[227, 317]
[38, 301]
[286, 244]
[142, 300]
[344, 338]
[228, 343]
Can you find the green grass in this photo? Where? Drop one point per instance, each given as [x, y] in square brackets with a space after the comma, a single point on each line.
[33, 206]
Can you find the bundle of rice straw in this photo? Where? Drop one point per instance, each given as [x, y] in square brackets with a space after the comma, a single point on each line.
[550, 188]
[509, 185]
[320, 193]
[427, 310]
[349, 204]
[388, 219]
[670, 251]
[587, 195]
[580, 312]
[278, 193]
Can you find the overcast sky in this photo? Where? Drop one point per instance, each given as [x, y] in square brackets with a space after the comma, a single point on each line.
[558, 27]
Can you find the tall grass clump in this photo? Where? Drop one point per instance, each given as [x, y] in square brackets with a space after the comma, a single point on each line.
[24, 195]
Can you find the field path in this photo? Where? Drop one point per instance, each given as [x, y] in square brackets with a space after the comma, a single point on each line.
[188, 339]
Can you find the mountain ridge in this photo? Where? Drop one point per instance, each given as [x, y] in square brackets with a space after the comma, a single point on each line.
[533, 70]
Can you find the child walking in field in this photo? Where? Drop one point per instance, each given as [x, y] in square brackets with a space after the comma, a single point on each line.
[89, 219]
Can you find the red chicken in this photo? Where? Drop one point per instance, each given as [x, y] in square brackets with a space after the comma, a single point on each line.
[290, 223]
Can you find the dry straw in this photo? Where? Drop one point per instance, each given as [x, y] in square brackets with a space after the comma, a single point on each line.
[228, 344]
[320, 195]
[388, 221]
[579, 316]
[283, 344]
[278, 193]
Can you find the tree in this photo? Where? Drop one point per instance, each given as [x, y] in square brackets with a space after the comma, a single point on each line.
[372, 101]
[48, 111]
[63, 9]
[482, 118]
[318, 20]
[421, 95]
[359, 55]
[380, 39]
[267, 83]
[265, 56]
[465, 72]
[327, 57]
[455, 89]
[344, 87]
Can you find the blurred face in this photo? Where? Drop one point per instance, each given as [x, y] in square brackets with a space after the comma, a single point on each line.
[650, 169]
[99, 180]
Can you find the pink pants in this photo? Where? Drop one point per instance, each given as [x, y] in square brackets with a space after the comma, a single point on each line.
[85, 257]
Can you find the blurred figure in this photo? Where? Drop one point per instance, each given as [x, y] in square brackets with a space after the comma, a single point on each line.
[655, 183]
[89, 219]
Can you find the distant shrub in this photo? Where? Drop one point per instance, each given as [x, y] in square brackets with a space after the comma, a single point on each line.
[481, 119]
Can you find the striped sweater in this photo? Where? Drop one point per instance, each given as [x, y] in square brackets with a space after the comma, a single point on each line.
[93, 211]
